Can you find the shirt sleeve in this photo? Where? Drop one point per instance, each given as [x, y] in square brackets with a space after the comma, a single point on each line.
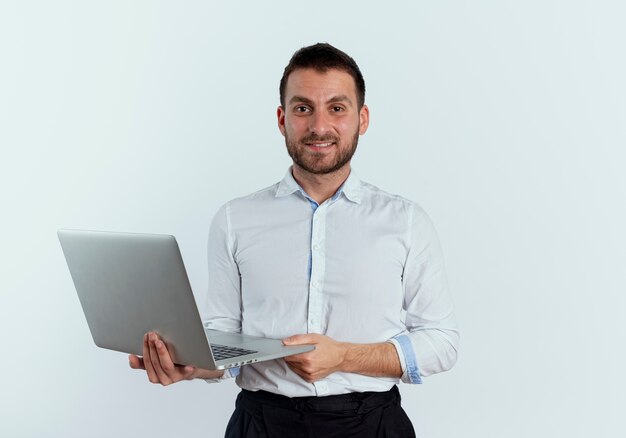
[222, 308]
[430, 343]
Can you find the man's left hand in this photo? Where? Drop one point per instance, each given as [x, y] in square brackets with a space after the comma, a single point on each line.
[327, 357]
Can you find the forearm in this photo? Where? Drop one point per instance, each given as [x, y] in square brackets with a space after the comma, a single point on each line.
[377, 360]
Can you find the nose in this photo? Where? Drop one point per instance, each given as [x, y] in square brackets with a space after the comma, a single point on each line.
[319, 123]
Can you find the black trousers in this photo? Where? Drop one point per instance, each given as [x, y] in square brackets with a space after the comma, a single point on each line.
[364, 415]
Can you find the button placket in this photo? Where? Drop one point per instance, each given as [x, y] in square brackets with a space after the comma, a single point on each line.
[318, 232]
[318, 265]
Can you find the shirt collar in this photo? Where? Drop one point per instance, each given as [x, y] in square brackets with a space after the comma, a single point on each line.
[352, 188]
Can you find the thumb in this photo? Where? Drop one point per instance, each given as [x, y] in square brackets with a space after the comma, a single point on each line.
[298, 339]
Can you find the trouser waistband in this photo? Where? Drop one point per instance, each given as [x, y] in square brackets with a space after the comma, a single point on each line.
[357, 402]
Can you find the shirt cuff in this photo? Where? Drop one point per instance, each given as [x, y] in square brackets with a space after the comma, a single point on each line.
[408, 361]
[228, 374]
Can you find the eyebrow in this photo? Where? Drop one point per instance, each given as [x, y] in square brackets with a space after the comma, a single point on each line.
[339, 98]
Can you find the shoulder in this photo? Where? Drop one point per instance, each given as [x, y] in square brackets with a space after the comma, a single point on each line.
[252, 200]
[379, 198]
[241, 211]
[416, 223]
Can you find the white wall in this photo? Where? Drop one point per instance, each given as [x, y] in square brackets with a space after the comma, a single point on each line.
[505, 120]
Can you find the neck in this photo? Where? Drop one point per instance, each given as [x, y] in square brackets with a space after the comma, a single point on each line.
[320, 187]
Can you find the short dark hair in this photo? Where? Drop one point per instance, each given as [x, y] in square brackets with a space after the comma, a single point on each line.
[323, 57]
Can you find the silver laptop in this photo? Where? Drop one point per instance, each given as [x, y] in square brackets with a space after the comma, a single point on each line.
[130, 284]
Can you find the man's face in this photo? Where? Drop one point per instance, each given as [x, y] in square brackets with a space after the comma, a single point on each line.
[321, 120]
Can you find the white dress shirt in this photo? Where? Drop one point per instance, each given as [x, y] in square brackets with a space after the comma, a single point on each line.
[364, 266]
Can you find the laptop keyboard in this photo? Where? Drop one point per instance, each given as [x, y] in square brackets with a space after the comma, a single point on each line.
[221, 352]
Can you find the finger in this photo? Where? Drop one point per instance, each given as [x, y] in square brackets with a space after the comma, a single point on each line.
[188, 372]
[294, 367]
[163, 378]
[294, 359]
[299, 358]
[303, 374]
[299, 368]
[147, 361]
[154, 359]
[136, 362]
[165, 360]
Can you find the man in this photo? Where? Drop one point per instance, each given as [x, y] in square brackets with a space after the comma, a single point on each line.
[323, 258]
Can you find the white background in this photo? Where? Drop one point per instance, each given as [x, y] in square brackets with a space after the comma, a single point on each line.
[504, 120]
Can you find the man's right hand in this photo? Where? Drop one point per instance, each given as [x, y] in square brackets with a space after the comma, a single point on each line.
[158, 364]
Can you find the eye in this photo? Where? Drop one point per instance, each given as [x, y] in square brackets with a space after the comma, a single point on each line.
[338, 109]
[302, 109]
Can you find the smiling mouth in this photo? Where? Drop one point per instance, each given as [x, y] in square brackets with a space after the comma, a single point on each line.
[321, 145]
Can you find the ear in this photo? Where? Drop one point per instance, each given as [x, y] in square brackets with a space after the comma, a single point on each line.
[280, 114]
[364, 119]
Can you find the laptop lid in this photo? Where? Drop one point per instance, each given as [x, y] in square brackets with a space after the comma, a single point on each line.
[129, 284]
